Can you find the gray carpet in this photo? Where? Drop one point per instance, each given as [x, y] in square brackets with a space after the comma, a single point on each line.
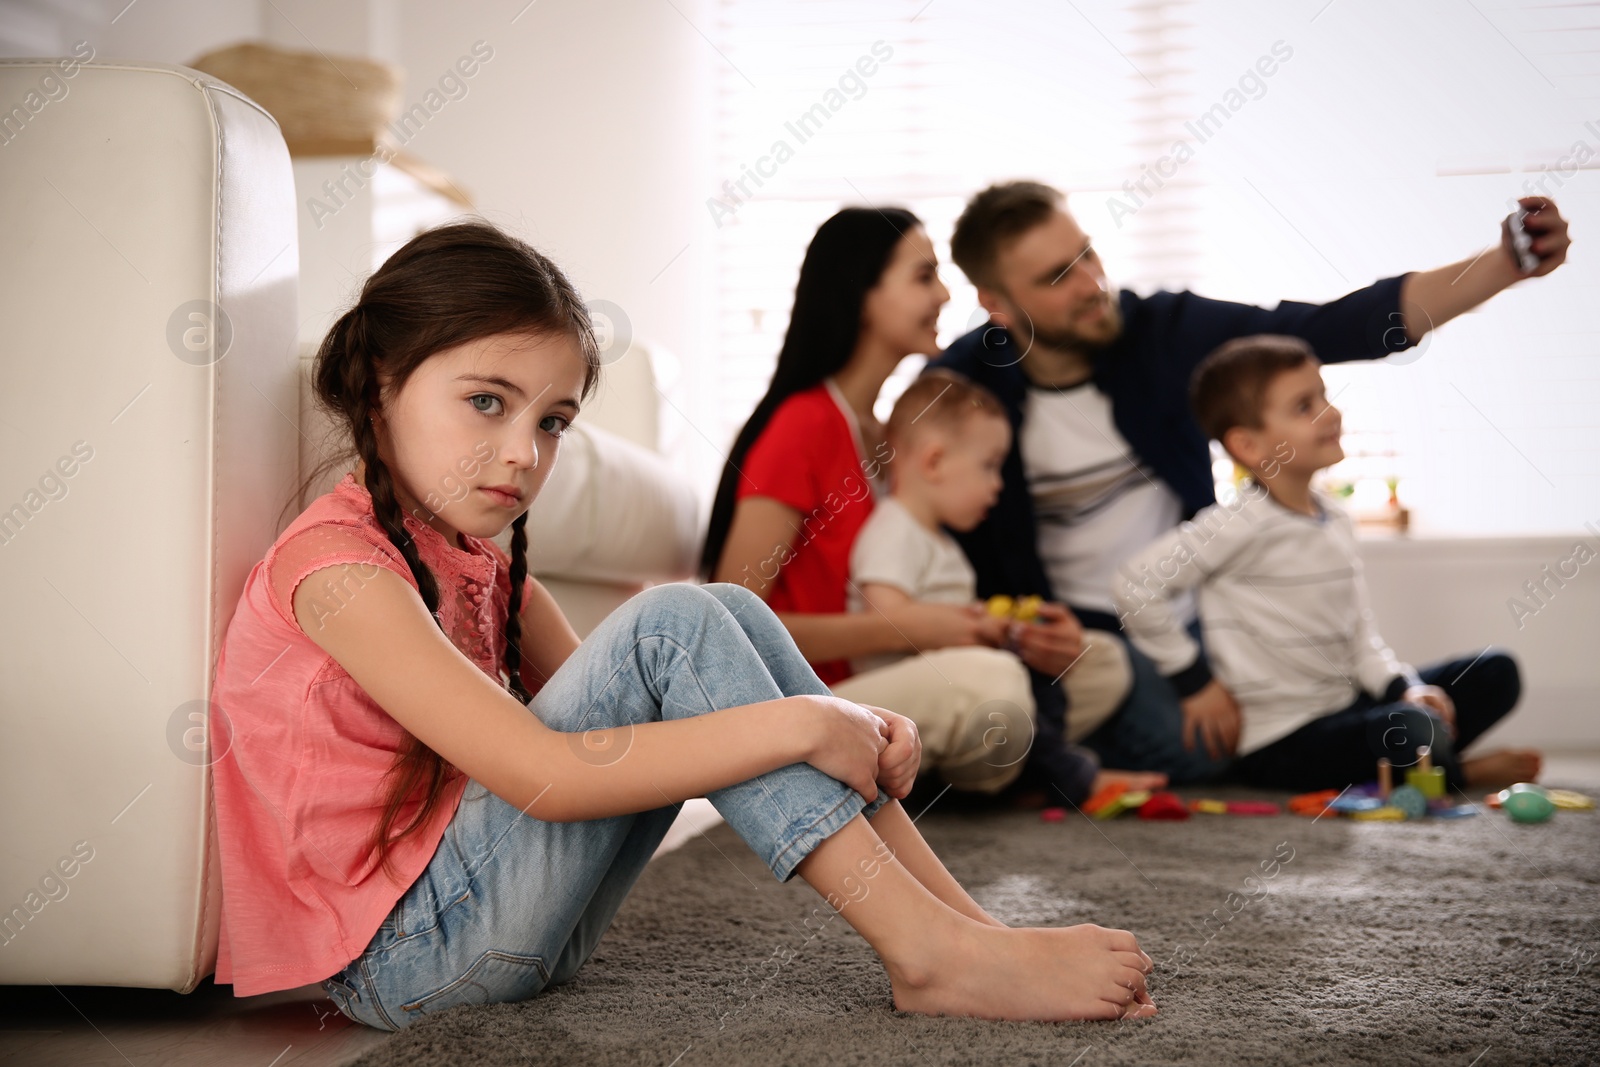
[1469, 943]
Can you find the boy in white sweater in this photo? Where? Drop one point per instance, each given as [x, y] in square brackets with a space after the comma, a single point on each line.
[1308, 694]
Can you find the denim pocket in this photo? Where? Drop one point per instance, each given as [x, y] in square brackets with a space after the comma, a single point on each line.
[497, 977]
[346, 998]
[442, 885]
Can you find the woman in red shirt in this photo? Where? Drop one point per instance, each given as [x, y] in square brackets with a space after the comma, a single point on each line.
[800, 482]
[432, 794]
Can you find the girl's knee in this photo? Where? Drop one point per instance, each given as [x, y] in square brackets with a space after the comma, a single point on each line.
[734, 597]
[675, 602]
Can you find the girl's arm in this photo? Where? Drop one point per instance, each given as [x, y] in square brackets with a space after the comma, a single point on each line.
[389, 644]
[547, 637]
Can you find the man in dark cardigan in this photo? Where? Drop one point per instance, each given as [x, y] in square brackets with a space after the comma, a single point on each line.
[1106, 454]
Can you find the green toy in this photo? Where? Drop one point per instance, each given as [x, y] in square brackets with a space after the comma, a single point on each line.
[1526, 802]
[1129, 801]
[1410, 800]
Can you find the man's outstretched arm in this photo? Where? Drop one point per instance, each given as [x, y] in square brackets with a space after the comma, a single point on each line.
[1431, 298]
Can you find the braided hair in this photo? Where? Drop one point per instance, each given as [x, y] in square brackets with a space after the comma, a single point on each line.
[445, 287]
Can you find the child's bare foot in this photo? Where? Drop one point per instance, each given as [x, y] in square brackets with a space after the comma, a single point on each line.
[1503, 767]
[1132, 779]
[1044, 974]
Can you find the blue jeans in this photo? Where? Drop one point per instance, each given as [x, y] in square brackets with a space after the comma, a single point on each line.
[510, 904]
[1146, 732]
[1343, 747]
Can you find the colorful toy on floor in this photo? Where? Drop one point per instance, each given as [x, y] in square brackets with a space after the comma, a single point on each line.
[1252, 807]
[1164, 805]
[1022, 609]
[1313, 804]
[1131, 800]
[1425, 778]
[1112, 800]
[1366, 803]
[1409, 799]
[1353, 802]
[1567, 800]
[1381, 813]
[1526, 802]
[1454, 811]
[1423, 795]
[1564, 800]
[1103, 796]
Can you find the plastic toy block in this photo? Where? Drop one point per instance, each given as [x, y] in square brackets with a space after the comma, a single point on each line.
[1163, 806]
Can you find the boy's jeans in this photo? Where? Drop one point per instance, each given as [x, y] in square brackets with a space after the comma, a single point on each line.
[510, 904]
[1343, 748]
[1146, 732]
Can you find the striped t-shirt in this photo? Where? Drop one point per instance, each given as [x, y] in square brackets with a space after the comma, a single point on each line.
[1096, 503]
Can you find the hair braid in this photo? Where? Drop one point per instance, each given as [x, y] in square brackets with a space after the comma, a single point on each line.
[445, 287]
[415, 764]
[519, 571]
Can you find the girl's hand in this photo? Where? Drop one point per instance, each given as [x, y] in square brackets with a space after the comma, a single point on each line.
[846, 741]
[897, 764]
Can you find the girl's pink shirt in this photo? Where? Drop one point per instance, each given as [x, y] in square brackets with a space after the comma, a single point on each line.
[299, 749]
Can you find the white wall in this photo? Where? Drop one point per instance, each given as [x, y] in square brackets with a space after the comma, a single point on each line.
[170, 31]
[1438, 598]
[586, 133]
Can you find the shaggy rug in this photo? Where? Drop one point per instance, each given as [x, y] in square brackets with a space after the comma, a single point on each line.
[1277, 940]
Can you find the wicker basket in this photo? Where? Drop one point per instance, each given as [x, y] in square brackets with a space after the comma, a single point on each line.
[325, 105]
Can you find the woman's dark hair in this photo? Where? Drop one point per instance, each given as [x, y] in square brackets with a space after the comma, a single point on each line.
[445, 287]
[845, 259]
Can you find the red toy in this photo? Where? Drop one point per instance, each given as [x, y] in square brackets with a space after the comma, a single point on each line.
[1164, 806]
[1053, 814]
[1252, 807]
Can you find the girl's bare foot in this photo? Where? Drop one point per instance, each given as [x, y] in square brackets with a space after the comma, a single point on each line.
[1503, 767]
[1134, 780]
[1028, 974]
[944, 962]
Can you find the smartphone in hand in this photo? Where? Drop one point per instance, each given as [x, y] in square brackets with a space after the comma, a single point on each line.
[1522, 242]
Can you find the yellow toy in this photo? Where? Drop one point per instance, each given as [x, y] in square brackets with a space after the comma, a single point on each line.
[1383, 814]
[1570, 801]
[1022, 609]
[1425, 778]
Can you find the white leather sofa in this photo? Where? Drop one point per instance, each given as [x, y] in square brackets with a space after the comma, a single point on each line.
[151, 409]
